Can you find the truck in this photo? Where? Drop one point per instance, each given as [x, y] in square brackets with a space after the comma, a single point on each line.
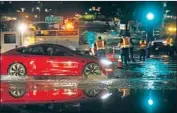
[10, 40]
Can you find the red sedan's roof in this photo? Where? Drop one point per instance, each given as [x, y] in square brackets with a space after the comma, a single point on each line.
[12, 51]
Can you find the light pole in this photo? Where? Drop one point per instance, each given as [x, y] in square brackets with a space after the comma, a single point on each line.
[22, 28]
[150, 17]
[39, 9]
[164, 16]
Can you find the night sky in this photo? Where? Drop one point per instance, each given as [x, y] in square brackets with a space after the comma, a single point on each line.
[131, 9]
[80, 7]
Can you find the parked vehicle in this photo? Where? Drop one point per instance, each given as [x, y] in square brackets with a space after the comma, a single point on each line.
[158, 46]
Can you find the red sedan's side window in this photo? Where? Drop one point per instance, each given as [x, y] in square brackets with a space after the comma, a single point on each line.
[59, 52]
[50, 51]
[36, 50]
[54, 51]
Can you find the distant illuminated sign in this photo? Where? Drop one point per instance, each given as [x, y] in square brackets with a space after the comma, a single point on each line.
[122, 27]
[67, 33]
[53, 19]
[89, 17]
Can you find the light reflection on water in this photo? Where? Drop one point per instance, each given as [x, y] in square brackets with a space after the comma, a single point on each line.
[154, 68]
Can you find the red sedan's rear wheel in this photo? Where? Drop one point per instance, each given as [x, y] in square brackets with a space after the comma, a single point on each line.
[17, 69]
[92, 69]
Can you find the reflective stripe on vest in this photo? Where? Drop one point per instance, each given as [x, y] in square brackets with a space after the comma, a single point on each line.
[100, 44]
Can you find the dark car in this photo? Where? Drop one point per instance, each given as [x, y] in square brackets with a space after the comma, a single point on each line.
[158, 47]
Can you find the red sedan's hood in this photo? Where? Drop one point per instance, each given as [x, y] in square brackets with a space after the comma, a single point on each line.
[40, 96]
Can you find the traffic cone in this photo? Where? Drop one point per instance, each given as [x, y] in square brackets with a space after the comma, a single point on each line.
[119, 63]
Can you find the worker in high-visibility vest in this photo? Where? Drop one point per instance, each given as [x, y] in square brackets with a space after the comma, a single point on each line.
[131, 51]
[124, 45]
[100, 45]
[142, 49]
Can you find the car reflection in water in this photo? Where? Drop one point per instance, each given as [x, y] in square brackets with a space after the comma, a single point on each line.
[31, 92]
[37, 98]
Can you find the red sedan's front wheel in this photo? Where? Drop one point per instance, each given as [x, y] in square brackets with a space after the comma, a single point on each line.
[92, 92]
[92, 69]
[17, 90]
[17, 69]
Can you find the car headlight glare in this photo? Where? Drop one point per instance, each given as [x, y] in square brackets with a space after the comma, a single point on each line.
[106, 62]
[164, 43]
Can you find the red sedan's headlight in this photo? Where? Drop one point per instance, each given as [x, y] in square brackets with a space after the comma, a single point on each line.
[109, 70]
[105, 62]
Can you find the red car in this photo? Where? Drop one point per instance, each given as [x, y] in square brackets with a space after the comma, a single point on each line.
[52, 60]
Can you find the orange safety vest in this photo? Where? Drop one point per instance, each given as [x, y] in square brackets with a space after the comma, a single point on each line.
[126, 43]
[100, 44]
[142, 45]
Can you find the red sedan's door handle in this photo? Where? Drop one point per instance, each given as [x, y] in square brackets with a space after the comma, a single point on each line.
[25, 56]
[52, 58]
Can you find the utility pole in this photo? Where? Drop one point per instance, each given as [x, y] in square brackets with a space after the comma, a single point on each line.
[164, 14]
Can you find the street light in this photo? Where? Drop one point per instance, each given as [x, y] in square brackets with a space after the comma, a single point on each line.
[170, 29]
[22, 27]
[46, 10]
[38, 8]
[22, 9]
[150, 16]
